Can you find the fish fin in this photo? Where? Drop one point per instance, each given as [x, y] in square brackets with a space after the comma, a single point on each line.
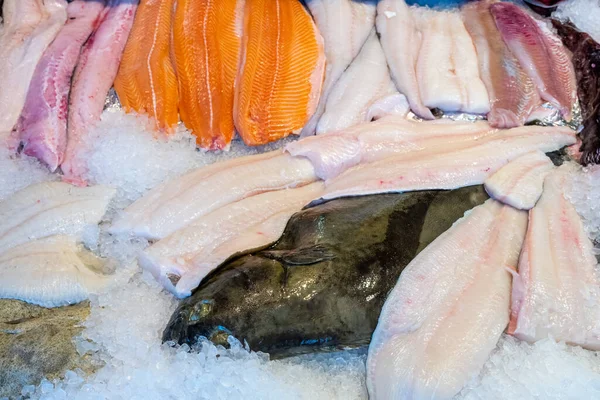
[302, 256]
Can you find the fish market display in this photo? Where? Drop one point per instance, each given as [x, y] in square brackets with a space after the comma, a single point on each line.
[281, 71]
[363, 86]
[448, 309]
[586, 60]
[513, 96]
[42, 126]
[345, 26]
[94, 75]
[520, 182]
[175, 204]
[49, 272]
[146, 80]
[321, 286]
[556, 289]
[50, 208]
[29, 27]
[183, 258]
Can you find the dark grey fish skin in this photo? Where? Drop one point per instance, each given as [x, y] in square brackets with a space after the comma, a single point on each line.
[322, 285]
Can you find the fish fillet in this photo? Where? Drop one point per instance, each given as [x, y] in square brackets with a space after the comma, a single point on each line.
[146, 81]
[365, 82]
[281, 71]
[401, 41]
[50, 208]
[556, 290]
[207, 38]
[392, 104]
[513, 96]
[94, 75]
[30, 26]
[542, 56]
[520, 182]
[345, 27]
[49, 272]
[177, 203]
[447, 170]
[183, 258]
[448, 309]
[42, 126]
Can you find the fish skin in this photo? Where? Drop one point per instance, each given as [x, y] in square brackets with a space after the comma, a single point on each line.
[345, 27]
[42, 125]
[29, 27]
[48, 272]
[175, 204]
[519, 183]
[93, 77]
[556, 290]
[146, 81]
[448, 309]
[50, 208]
[207, 56]
[401, 41]
[280, 78]
[533, 48]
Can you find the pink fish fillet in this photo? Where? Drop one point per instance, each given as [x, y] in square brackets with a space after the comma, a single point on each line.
[93, 78]
[42, 126]
[544, 58]
[556, 291]
[446, 313]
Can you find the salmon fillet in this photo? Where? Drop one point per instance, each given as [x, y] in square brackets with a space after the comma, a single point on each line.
[281, 71]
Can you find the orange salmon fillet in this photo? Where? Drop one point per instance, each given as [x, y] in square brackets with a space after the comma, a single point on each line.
[146, 81]
[281, 71]
[207, 37]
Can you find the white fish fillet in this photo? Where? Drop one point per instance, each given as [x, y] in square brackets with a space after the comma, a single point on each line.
[520, 182]
[448, 309]
[30, 27]
[49, 272]
[50, 208]
[183, 258]
[366, 81]
[556, 291]
[395, 104]
[175, 204]
[447, 170]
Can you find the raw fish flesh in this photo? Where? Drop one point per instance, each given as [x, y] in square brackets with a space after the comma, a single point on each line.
[281, 71]
[345, 26]
[539, 53]
[42, 126]
[183, 258]
[50, 208]
[322, 285]
[29, 27]
[175, 204]
[207, 39]
[447, 311]
[366, 82]
[392, 104]
[94, 75]
[556, 290]
[448, 170]
[146, 81]
[49, 272]
[520, 182]
[401, 41]
[513, 96]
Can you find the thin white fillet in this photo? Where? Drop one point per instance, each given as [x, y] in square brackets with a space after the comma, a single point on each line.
[556, 291]
[188, 254]
[51, 208]
[520, 182]
[447, 170]
[395, 104]
[175, 204]
[366, 81]
[448, 309]
[50, 272]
